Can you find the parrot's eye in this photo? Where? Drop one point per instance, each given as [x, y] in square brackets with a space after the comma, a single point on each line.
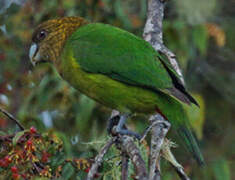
[41, 35]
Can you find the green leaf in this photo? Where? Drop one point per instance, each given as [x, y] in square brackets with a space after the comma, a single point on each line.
[2, 133]
[67, 171]
[221, 170]
[57, 159]
[120, 12]
[66, 143]
[17, 137]
[200, 38]
[40, 178]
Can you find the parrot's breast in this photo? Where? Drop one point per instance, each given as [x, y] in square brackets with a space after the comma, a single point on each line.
[109, 92]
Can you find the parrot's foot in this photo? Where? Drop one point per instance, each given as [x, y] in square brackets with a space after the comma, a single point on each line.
[113, 121]
[119, 122]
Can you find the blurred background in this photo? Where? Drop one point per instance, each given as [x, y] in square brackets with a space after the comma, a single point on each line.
[201, 34]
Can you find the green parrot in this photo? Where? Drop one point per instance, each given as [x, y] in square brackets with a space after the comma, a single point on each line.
[117, 69]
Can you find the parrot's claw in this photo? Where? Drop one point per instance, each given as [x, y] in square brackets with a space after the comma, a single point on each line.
[129, 133]
[112, 122]
[119, 122]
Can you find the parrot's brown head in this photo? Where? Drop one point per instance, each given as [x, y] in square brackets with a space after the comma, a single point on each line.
[49, 37]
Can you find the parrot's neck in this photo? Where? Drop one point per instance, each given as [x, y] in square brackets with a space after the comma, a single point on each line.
[62, 34]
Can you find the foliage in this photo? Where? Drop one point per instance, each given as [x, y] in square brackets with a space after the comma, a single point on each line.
[202, 37]
[29, 154]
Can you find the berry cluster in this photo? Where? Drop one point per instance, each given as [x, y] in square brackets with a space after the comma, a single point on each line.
[28, 154]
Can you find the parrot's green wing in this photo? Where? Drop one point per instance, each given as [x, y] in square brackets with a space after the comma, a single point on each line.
[120, 55]
[105, 49]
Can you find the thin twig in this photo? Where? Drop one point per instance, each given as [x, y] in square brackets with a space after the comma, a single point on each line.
[6, 138]
[11, 117]
[36, 168]
[167, 154]
[157, 174]
[99, 159]
[147, 130]
[125, 160]
[181, 173]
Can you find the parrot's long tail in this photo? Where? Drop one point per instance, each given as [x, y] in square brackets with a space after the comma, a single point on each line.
[179, 120]
[191, 144]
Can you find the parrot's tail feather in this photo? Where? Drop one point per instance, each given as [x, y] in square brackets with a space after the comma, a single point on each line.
[191, 144]
[177, 116]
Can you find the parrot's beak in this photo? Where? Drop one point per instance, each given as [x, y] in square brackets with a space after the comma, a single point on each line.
[34, 55]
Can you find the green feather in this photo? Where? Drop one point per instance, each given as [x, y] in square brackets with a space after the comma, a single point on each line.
[117, 53]
[123, 72]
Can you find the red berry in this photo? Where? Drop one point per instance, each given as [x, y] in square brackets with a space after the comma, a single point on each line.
[33, 130]
[7, 159]
[15, 176]
[29, 143]
[97, 175]
[2, 56]
[3, 163]
[14, 169]
[45, 157]
[23, 176]
[87, 170]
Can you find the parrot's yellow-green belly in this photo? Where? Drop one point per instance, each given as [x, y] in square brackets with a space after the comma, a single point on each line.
[109, 92]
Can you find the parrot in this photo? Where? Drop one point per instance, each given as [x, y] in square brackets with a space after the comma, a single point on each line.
[117, 69]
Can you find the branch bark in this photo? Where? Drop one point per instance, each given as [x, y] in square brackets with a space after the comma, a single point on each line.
[11, 117]
[99, 159]
[159, 131]
[125, 160]
[153, 34]
[128, 146]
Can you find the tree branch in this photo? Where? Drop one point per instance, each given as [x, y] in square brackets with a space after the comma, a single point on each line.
[167, 154]
[99, 159]
[11, 117]
[153, 27]
[153, 34]
[181, 173]
[129, 147]
[125, 160]
[159, 132]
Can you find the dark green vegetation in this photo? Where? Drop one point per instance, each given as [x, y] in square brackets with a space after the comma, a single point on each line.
[46, 102]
